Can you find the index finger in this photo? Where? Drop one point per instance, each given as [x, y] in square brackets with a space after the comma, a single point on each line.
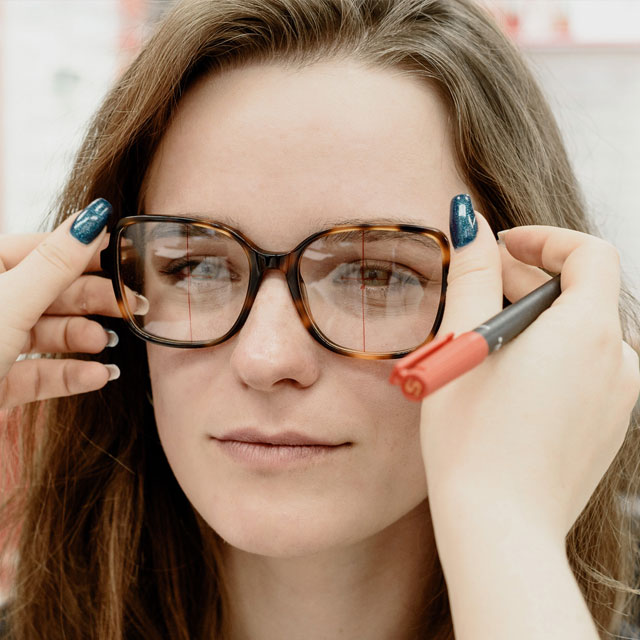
[14, 248]
[589, 266]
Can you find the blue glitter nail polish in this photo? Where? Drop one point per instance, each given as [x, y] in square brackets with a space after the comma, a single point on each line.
[463, 225]
[91, 221]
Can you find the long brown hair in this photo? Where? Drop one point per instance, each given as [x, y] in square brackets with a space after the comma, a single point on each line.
[108, 545]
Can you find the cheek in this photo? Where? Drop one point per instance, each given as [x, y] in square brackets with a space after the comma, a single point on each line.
[180, 381]
[395, 445]
[179, 385]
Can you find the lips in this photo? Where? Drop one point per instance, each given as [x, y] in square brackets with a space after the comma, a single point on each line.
[284, 438]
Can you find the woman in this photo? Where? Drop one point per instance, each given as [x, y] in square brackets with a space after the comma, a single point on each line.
[267, 485]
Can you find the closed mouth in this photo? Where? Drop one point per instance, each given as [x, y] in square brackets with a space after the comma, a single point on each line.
[282, 439]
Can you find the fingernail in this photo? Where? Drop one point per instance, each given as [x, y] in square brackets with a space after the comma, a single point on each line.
[143, 304]
[114, 371]
[105, 243]
[113, 338]
[463, 225]
[501, 235]
[88, 225]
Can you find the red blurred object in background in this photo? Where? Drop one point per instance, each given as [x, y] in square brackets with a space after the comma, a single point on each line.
[511, 23]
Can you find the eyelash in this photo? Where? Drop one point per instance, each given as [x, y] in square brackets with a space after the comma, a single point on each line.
[175, 266]
[403, 276]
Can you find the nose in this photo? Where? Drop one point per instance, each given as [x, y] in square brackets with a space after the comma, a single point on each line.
[273, 347]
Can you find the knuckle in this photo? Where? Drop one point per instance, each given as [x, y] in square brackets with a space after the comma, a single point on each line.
[608, 250]
[37, 382]
[466, 279]
[67, 378]
[54, 256]
[84, 298]
[631, 363]
[626, 378]
[68, 334]
[82, 334]
[89, 299]
[476, 270]
[631, 354]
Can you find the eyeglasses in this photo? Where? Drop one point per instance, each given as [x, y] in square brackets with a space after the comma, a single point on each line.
[365, 291]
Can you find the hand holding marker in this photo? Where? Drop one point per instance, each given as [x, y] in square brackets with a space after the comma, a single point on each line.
[441, 361]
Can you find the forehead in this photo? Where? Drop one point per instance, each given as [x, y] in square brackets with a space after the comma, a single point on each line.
[280, 153]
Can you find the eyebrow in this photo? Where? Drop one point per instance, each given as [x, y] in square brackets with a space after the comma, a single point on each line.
[322, 225]
[416, 240]
[374, 236]
[176, 231]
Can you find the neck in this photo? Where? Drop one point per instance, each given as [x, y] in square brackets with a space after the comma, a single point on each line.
[383, 588]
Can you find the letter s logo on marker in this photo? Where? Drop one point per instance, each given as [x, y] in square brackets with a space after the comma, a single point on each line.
[413, 387]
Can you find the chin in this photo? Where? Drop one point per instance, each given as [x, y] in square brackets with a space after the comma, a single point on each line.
[285, 547]
[280, 535]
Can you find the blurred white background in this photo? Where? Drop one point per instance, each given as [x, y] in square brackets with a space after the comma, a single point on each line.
[58, 57]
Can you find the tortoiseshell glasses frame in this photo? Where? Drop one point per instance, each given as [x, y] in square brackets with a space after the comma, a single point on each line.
[260, 261]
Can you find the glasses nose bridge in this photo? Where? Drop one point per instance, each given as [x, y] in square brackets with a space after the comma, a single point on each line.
[284, 263]
[267, 261]
[272, 261]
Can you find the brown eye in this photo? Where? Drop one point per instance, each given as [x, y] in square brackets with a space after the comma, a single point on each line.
[376, 275]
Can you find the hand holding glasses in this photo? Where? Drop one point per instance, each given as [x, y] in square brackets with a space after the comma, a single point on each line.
[45, 293]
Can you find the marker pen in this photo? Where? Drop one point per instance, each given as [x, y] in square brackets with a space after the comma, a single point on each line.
[438, 362]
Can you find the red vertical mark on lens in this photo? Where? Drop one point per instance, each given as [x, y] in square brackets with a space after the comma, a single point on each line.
[189, 288]
[362, 289]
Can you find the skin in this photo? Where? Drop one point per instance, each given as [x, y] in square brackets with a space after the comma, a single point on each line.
[288, 152]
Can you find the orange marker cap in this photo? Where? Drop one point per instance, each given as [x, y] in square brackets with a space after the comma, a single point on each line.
[438, 362]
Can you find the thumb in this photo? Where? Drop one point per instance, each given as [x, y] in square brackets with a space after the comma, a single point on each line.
[55, 263]
[474, 283]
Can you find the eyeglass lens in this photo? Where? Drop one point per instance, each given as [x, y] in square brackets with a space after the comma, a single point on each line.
[367, 290]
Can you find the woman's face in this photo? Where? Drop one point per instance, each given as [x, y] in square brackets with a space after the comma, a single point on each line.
[279, 154]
